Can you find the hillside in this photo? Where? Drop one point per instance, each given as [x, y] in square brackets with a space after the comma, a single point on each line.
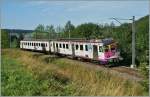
[31, 73]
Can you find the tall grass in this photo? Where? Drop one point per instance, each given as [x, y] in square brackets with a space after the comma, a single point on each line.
[61, 76]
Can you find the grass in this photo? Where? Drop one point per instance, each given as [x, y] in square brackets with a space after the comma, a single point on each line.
[30, 73]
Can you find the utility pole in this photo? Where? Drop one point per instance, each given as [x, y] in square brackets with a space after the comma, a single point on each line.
[69, 34]
[133, 65]
[35, 34]
[133, 43]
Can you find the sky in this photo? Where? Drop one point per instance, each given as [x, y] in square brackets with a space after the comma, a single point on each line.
[27, 14]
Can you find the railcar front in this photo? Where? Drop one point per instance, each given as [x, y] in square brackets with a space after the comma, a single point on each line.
[109, 53]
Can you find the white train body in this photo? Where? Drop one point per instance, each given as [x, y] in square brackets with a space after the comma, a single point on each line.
[105, 50]
[35, 45]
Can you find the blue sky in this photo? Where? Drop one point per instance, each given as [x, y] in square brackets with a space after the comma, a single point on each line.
[27, 14]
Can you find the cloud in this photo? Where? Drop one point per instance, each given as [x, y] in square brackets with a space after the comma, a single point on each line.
[36, 3]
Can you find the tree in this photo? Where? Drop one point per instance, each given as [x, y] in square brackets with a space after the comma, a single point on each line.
[21, 37]
[39, 28]
[4, 39]
[88, 30]
[112, 24]
[51, 31]
[14, 43]
[59, 31]
[68, 30]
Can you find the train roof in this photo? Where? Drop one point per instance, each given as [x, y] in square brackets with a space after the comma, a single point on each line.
[105, 41]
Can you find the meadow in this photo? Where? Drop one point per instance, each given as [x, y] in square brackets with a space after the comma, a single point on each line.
[25, 73]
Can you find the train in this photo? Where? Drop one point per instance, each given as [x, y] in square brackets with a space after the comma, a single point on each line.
[101, 50]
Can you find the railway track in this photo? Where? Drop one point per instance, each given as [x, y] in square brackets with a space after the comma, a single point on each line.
[122, 71]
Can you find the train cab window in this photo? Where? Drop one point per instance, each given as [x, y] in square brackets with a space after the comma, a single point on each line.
[106, 49]
[57, 45]
[81, 47]
[67, 46]
[112, 48]
[86, 48]
[77, 47]
[63, 45]
[60, 45]
[100, 49]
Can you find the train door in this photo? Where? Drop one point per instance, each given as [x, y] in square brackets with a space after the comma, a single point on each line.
[101, 52]
[22, 43]
[95, 52]
[57, 47]
[49, 47]
[54, 46]
[73, 50]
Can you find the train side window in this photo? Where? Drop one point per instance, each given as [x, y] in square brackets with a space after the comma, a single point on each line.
[57, 45]
[60, 45]
[63, 45]
[81, 47]
[67, 46]
[45, 44]
[100, 49]
[28, 43]
[86, 48]
[77, 47]
[32, 43]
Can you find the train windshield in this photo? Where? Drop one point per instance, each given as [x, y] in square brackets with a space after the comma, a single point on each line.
[106, 49]
[111, 47]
